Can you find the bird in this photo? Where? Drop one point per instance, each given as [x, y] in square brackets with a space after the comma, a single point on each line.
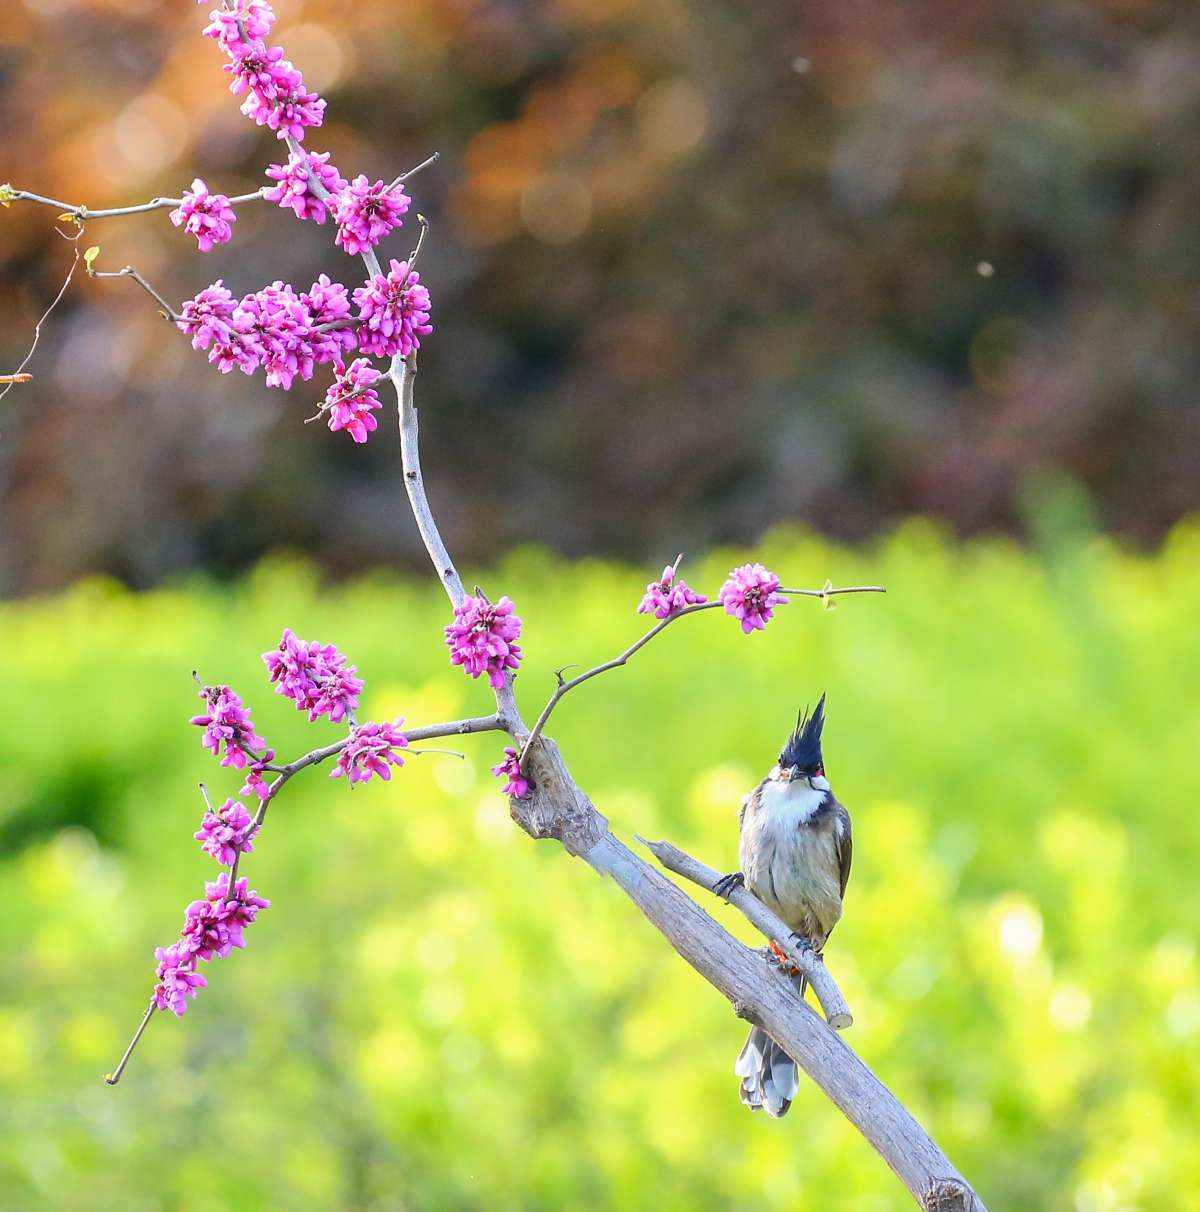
[795, 851]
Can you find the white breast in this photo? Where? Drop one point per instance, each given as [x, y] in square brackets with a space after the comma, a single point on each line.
[789, 805]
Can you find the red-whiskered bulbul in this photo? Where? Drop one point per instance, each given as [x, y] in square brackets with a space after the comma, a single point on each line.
[795, 853]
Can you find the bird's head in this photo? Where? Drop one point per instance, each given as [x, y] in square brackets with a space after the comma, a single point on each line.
[801, 756]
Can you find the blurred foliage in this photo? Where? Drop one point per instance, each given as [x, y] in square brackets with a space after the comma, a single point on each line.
[698, 264]
[437, 1013]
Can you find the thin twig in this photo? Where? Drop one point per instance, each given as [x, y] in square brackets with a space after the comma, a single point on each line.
[564, 688]
[83, 214]
[412, 172]
[115, 1076]
[315, 756]
[168, 311]
[771, 926]
[17, 376]
[416, 252]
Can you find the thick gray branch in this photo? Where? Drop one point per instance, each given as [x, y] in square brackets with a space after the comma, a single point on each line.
[837, 1013]
[761, 995]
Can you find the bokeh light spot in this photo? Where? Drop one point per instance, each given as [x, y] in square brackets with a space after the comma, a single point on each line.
[556, 208]
[672, 118]
[149, 133]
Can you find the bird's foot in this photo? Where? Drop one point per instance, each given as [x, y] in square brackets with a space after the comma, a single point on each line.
[802, 943]
[727, 883]
[777, 953]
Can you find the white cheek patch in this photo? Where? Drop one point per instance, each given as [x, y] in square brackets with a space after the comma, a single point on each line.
[820, 782]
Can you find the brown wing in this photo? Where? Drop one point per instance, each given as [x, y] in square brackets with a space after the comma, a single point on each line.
[845, 847]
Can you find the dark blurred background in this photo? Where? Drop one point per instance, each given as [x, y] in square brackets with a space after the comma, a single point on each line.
[697, 267]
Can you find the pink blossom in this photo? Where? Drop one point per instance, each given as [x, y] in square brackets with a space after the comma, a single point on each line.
[393, 312]
[274, 90]
[260, 71]
[214, 926]
[226, 832]
[365, 213]
[278, 321]
[208, 317]
[205, 215]
[227, 723]
[315, 676]
[297, 184]
[749, 596]
[351, 399]
[371, 749]
[177, 977]
[328, 303]
[517, 784]
[226, 25]
[254, 783]
[482, 638]
[668, 596]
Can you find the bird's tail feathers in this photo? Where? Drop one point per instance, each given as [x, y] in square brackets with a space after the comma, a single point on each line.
[769, 1076]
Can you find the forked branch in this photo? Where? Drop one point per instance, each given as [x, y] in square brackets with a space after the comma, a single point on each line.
[772, 927]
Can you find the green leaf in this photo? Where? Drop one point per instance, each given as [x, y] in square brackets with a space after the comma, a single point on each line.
[90, 255]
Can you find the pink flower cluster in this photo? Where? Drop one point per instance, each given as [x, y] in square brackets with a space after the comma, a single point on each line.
[212, 928]
[516, 784]
[371, 749]
[176, 977]
[226, 24]
[315, 676]
[272, 87]
[749, 595]
[365, 213]
[483, 638]
[285, 333]
[226, 833]
[227, 723]
[352, 399]
[393, 312]
[668, 596]
[205, 215]
[297, 181]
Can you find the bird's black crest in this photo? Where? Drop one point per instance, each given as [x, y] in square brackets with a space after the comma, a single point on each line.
[803, 749]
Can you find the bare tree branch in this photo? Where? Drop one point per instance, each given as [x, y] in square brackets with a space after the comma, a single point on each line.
[81, 214]
[564, 688]
[168, 312]
[760, 996]
[837, 1013]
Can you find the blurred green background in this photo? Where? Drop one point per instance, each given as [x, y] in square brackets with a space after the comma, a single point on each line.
[436, 1013]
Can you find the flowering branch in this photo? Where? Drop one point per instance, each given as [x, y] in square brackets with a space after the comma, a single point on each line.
[82, 214]
[565, 687]
[232, 831]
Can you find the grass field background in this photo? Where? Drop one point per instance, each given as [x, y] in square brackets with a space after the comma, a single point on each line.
[437, 1013]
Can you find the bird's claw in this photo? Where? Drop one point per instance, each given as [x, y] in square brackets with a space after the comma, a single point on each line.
[801, 943]
[727, 883]
[776, 953]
